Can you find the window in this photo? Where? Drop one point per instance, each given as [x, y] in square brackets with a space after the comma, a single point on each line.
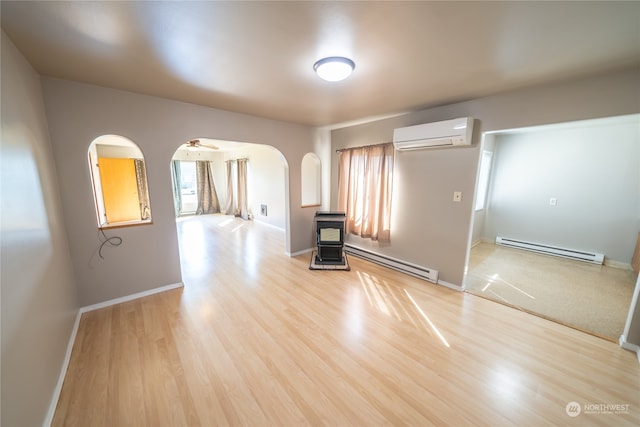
[365, 177]
[188, 187]
[194, 192]
[483, 180]
[119, 181]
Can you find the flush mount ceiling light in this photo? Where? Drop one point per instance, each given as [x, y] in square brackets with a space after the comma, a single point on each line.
[334, 68]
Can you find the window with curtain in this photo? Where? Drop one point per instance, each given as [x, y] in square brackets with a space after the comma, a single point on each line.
[194, 191]
[483, 180]
[365, 177]
[143, 190]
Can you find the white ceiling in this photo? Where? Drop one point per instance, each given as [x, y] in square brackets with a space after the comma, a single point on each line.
[257, 57]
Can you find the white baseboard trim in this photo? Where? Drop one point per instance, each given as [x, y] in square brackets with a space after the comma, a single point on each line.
[255, 219]
[130, 297]
[48, 419]
[607, 261]
[72, 339]
[302, 252]
[628, 346]
[617, 264]
[451, 285]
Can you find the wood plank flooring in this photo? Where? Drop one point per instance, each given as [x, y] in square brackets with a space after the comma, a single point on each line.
[256, 338]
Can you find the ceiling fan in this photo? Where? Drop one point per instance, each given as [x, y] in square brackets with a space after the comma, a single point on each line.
[194, 144]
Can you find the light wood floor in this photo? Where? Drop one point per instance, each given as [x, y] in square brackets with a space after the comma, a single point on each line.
[256, 338]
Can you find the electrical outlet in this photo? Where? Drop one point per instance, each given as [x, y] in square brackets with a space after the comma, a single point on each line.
[553, 201]
[457, 196]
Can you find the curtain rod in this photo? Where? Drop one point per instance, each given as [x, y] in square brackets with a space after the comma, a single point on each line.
[362, 146]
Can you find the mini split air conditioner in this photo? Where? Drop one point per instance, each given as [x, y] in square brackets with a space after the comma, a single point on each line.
[447, 133]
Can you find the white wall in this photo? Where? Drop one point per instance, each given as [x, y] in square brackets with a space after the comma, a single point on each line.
[267, 185]
[429, 229]
[323, 148]
[311, 180]
[203, 154]
[148, 257]
[39, 301]
[118, 152]
[591, 168]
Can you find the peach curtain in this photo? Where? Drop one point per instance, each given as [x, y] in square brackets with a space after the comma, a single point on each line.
[365, 177]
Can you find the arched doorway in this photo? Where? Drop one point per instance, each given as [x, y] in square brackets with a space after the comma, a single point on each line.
[200, 232]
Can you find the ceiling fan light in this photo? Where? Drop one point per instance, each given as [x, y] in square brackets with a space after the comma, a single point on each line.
[334, 68]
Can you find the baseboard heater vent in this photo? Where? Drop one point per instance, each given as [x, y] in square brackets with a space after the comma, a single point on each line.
[403, 266]
[552, 250]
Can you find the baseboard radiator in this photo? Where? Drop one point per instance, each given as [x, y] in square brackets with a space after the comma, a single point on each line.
[427, 274]
[552, 250]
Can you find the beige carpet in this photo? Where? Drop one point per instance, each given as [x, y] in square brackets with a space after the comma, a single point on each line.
[589, 297]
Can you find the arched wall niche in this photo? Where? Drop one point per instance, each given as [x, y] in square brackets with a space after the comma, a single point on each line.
[119, 182]
[311, 181]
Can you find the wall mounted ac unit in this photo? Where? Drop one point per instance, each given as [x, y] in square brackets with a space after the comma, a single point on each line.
[447, 133]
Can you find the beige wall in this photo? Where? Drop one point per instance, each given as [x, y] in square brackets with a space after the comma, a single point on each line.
[39, 301]
[431, 230]
[148, 257]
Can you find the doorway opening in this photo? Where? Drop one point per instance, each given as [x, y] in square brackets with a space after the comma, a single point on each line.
[226, 186]
[571, 185]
